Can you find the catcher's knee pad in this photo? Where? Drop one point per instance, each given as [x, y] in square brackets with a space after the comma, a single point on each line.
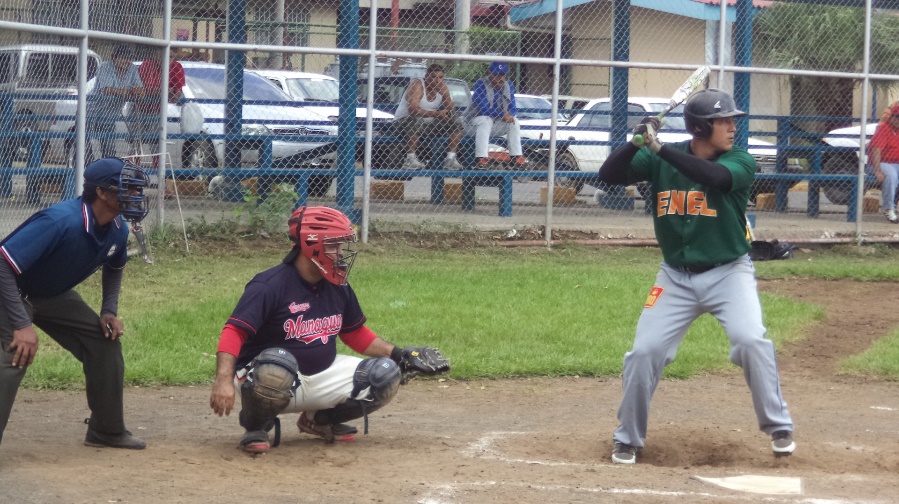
[268, 387]
[380, 378]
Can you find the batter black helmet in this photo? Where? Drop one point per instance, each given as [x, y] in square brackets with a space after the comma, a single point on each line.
[706, 105]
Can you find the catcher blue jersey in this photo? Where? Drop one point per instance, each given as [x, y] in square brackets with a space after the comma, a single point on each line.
[280, 309]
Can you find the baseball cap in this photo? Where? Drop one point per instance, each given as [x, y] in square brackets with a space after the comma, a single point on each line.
[104, 172]
[497, 68]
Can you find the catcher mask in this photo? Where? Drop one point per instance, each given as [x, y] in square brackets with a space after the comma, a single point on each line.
[125, 179]
[320, 233]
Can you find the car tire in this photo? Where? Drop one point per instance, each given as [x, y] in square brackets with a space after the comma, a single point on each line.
[567, 162]
[838, 192]
[319, 185]
[198, 155]
[23, 144]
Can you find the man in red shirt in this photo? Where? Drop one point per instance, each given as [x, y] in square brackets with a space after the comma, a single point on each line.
[884, 157]
[147, 109]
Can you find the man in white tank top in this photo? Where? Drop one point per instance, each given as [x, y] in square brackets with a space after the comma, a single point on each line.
[427, 109]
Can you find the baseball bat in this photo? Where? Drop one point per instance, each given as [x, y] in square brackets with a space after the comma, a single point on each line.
[694, 83]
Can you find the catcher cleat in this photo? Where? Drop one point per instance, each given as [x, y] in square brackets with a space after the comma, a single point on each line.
[255, 442]
[782, 443]
[123, 440]
[330, 433]
[624, 454]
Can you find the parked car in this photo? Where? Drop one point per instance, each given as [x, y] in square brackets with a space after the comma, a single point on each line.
[322, 93]
[596, 128]
[569, 105]
[206, 81]
[844, 162]
[39, 69]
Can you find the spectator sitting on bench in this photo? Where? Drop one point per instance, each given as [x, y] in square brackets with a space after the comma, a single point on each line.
[427, 109]
[492, 113]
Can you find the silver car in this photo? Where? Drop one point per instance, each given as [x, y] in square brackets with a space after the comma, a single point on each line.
[206, 81]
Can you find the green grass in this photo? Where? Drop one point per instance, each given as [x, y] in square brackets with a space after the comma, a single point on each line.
[881, 359]
[495, 312]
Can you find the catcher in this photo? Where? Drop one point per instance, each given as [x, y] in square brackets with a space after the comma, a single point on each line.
[279, 347]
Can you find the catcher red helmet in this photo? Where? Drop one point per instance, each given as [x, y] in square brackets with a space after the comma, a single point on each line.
[320, 233]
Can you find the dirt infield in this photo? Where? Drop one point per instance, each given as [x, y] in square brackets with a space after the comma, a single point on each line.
[543, 440]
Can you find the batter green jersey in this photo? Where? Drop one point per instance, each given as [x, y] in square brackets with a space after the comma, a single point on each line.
[697, 225]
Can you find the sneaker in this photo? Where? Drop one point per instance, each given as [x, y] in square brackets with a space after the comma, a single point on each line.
[520, 161]
[452, 164]
[891, 215]
[624, 454]
[481, 163]
[255, 442]
[782, 443]
[597, 196]
[330, 433]
[123, 440]
[412, 163]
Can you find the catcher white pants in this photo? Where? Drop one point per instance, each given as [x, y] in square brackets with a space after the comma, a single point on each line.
[484, 127]
[322, 390]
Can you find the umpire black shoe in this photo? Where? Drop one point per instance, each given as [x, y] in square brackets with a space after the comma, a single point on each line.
[782, 443]
[255, 442]
[624, 454]
[123, 440]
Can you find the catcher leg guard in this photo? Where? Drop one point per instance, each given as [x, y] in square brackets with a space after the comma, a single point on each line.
[267, 390]
[375, 382]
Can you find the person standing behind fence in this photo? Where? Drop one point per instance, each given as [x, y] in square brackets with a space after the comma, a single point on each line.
[492, 113]
[117, 82]
[884, 154]
[427, 110]
[150, 72]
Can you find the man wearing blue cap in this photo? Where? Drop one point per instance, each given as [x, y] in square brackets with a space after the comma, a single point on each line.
[492, 113]
[48, 255]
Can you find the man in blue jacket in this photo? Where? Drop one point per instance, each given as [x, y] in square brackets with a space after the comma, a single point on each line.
[492, 113]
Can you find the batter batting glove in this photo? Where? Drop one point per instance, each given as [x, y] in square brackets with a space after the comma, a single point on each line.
[651, 139]
[656, 123]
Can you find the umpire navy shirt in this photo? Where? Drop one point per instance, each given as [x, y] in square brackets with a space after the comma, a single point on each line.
[281, 310]
[61, 246]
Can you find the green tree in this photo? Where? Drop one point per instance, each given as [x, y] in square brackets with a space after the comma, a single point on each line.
[820, 37]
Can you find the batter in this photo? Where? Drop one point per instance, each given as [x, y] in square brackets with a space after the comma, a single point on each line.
[699, 190]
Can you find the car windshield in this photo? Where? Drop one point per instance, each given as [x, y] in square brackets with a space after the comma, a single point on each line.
[313, 89]
[540, 108]
[671, 122]
[209, 84]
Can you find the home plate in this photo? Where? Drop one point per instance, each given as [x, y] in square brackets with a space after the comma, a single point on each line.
[758, 484]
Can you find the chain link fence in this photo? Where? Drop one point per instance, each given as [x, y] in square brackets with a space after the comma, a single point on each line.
[270, 104]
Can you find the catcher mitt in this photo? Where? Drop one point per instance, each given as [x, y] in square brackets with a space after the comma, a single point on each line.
[414, 361]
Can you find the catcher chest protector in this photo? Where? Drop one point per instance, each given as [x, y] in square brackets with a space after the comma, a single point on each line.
[381, 377]
[267, 389]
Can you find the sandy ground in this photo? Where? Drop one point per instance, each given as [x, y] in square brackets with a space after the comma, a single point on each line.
[543, 440]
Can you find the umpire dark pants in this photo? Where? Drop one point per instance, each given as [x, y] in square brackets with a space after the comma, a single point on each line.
[76, 327]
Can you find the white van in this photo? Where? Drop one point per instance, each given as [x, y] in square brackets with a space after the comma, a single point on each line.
[39, 69]
[322, 90]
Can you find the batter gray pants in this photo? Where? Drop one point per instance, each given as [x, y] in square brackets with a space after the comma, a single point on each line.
[728, 292]
[76, 327]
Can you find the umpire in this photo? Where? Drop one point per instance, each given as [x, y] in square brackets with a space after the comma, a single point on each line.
[46, 257]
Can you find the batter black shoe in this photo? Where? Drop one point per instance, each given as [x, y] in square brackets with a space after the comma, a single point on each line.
[255, 442]
[330, 433]
[123, 440]
[624, 454]
[782, 443]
